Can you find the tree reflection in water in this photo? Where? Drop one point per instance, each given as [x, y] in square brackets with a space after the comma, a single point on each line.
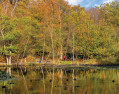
[67, 80]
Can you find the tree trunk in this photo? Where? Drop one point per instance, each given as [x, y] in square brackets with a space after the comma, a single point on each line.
[52, 46]
[25, 47]
[52, 34]
[73, 48]
[8, 60]
[43, 49]
[61, 53]
[14, 8]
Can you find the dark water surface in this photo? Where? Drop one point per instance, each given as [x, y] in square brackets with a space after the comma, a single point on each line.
[59, 80]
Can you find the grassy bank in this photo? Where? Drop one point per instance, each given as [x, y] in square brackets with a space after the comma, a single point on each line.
[104, 61]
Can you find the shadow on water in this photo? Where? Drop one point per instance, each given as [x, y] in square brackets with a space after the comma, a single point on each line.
[5, 79]
[59, 80]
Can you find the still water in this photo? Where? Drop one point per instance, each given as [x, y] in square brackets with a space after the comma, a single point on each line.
[59, 80]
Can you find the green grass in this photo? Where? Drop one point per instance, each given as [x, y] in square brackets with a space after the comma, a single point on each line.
[109, 60]
[104, 61]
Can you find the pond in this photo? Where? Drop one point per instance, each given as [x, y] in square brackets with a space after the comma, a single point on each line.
[59, 80]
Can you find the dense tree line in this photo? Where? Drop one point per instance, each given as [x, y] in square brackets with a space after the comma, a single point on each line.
[53, 28]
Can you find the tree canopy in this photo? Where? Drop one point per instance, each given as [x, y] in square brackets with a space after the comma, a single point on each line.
[52, 28]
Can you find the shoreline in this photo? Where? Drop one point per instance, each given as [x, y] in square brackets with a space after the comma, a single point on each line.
[57, 64]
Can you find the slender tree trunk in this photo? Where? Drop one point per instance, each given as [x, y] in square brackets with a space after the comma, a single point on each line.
[61, 51]
[14, 8]
[73, 48]
[5, 7]
[43, 48]
[2, 32]
[25, 46]
[48, 57]
[52, 45]
[3, 37]
[68, 37]
[52, 32]
[76, 50]
[8, 58]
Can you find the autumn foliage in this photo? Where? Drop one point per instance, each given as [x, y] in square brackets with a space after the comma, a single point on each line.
[53, 28]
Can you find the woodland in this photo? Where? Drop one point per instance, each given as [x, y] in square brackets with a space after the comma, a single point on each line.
[50, 29]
